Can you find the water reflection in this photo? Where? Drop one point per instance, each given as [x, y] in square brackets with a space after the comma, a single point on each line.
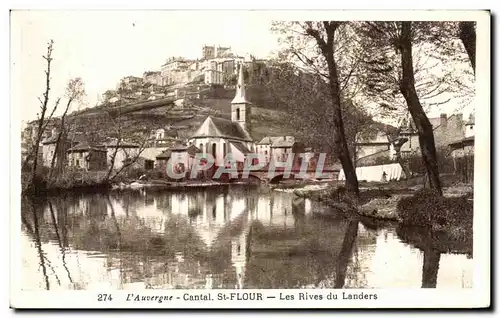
[235, 238]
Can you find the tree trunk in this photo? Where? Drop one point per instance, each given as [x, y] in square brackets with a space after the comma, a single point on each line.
[345, 253]
[424, 127]
[468, 36]
[430, 268]
[403, 165]
[339, 138]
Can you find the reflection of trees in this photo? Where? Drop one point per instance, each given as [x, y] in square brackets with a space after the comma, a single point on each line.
[430, 268]
[432, 244]
[34, 232]
[305, 255]
[62, 247]
[345, 253]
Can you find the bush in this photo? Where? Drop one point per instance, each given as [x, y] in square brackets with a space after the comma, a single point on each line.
[427, 208]
[134, 172]
[444, 161]
[156, 174]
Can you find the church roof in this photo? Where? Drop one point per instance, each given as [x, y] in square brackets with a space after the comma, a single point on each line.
[222, 128]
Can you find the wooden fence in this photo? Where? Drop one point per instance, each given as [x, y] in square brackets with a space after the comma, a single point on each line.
[464, 168]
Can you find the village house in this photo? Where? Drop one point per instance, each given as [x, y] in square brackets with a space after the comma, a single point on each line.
[219, 137]
[446, 129]
[369, 150]
[124, 151]
[464, 146]
[48, 147]
[88, 157]
[162, 159]
[263, 147]
[282, 147]
[179, 158]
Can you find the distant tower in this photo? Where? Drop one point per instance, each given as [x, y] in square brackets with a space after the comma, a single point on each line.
[240, 106]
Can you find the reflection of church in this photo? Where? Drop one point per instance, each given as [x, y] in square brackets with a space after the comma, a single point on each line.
[220, 220]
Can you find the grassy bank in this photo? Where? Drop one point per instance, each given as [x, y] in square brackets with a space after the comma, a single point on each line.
[428, 209]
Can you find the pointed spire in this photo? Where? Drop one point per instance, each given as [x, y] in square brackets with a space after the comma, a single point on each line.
[240, 97]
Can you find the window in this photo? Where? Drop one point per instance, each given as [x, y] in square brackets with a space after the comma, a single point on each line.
[214, 150]
[77, 162]
[201, 147]
[224, 150]
[237, 114]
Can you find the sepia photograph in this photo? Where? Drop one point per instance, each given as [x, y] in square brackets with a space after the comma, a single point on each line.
[258, 159]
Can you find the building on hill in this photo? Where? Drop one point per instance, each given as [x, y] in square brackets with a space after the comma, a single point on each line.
[162, 137]
[219, 137]
[152, 77]
[210, 52]
[130, 83]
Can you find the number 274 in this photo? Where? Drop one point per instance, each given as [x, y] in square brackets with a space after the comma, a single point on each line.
[104, 297]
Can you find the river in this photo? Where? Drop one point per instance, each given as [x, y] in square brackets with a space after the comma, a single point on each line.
[220, 238]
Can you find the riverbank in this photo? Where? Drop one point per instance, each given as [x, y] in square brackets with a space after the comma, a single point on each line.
[450, 215]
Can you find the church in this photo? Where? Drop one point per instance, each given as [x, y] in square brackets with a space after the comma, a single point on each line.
[219, 136]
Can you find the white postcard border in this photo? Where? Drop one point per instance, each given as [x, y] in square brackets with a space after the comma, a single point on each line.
[477, 296]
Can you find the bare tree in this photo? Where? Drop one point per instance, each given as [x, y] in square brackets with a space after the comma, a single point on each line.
[328, 42]
[75, 90]
[43, 119]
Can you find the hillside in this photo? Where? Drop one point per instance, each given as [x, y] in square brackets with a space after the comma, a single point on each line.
[141, 118]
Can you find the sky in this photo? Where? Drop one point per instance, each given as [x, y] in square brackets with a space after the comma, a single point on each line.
[103, 46]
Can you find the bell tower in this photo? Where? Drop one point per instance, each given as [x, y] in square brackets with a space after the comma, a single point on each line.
[240, 106]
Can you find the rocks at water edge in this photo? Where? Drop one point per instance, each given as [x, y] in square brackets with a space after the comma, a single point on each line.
[382, 208]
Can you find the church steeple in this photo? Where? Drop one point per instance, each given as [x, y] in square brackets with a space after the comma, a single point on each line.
[240, 106]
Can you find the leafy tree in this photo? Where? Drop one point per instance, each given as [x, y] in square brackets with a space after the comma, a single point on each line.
[412, 66]
[324, 47]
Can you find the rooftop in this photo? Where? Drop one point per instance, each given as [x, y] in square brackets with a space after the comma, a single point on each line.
[223, 128]
[85, 146]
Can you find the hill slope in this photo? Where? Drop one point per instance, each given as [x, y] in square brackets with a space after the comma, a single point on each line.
[141, 120]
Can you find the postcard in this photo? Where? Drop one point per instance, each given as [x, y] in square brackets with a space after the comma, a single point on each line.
[250, 159]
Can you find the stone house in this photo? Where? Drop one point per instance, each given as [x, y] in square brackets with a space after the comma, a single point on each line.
[125, 151]
[446, 129]
[48, 147]
[88, 157]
